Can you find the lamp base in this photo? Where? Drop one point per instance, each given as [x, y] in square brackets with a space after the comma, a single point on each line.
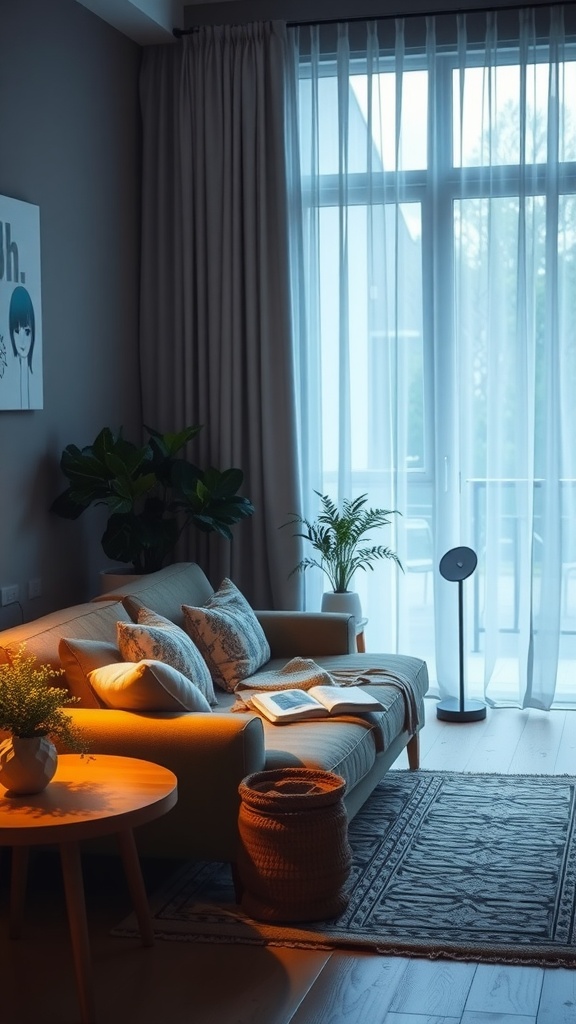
[451, 710]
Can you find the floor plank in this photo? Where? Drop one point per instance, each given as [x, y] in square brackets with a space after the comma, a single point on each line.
[496, 1018]
[558, 998]
[352, 990]
[454, 745]
[496, 747]
[565, 761]
[433, 987]
[417, 1018]
[537, 750]
[501, 989]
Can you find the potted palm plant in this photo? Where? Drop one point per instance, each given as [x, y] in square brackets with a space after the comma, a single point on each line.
[152, 493]
[338, 536]
[33, 712]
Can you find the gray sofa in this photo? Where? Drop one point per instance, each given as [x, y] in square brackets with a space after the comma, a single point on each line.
[211, 753]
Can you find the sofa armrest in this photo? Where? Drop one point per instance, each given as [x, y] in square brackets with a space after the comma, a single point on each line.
[209, 754]
[308, 634]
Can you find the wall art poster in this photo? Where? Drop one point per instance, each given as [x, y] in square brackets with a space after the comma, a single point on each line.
[20, 306]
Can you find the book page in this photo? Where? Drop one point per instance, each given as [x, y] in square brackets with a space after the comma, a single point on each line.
[288, 705]
[345, 698]
[288, 700]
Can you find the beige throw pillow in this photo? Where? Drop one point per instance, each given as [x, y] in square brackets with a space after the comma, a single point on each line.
[146, 686]
[174, 647]
[78, 659]
[228, 635]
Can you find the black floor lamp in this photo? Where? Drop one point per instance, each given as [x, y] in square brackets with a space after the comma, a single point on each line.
[456, 565]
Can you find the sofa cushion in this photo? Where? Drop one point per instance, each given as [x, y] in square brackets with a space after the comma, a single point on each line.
[339, 744]
[146, 686]
[229, 636]
[79, 658]
[42, 636]
[173, 646]
[332, 745]
[345, 748]
[202, 677]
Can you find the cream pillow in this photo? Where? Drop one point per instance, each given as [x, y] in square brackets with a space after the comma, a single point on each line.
[228, 635]
[174, 647]
[146, 686]
[78, 658]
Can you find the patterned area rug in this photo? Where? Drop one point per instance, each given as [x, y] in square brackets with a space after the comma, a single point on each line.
[447, 865]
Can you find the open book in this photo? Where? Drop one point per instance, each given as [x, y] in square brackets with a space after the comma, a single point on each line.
[317, 702]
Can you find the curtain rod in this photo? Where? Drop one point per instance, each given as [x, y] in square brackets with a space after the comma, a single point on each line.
[179, 32]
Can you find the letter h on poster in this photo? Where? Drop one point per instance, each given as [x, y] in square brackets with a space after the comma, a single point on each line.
[20, 306]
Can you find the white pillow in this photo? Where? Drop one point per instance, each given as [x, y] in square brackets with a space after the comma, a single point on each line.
[173, 646]
[146, 686]
[228, 635]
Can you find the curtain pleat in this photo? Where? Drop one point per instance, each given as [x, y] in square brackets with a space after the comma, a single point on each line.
[216, 322]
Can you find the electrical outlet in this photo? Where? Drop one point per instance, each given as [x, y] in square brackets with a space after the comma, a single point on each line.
[34, 588]
[9, 595]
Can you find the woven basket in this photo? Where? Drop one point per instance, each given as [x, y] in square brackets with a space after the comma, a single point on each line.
[294, 857]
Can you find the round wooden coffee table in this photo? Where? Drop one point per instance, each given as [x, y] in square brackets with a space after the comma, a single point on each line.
[89, 796]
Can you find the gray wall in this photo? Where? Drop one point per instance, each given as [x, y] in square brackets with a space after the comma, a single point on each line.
[69, 131]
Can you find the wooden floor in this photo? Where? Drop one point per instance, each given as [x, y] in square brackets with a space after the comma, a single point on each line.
[185, 983]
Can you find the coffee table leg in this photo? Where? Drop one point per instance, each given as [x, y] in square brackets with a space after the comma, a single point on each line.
[76, 906]
[136, 885]
[17, 889]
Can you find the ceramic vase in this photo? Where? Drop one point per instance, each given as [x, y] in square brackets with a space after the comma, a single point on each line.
[27, 764]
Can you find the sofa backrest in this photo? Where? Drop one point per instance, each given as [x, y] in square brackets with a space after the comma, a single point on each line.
[79, 622]
[167, 590]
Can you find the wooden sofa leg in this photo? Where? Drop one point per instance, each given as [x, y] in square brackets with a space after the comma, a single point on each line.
[413, 751]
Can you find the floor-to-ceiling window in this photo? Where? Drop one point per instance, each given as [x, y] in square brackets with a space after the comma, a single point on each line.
[436, 328]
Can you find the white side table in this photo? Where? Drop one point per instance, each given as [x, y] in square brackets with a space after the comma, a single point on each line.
[360, 642]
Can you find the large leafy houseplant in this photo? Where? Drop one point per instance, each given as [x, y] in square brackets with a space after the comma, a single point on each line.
[338, 536]
[152, 493]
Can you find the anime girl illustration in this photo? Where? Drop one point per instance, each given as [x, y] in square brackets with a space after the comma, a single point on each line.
[22, 328]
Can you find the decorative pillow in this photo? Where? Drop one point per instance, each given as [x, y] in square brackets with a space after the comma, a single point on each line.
[146, 686]
[202, 678]
[228, 635]
[172, 646]
[133, 606]
[78, 659]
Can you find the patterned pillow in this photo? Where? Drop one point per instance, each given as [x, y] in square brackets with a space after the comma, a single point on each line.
[147, 617]
[146, 686]
[229, 636]
[137, 642]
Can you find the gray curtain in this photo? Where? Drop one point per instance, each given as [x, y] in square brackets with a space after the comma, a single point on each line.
[215, 309]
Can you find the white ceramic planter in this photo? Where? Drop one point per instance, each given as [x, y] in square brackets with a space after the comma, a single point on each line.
[110, 579]
[348, 603]
[27, 764]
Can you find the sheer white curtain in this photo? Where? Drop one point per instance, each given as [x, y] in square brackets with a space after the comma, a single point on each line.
[435, 275]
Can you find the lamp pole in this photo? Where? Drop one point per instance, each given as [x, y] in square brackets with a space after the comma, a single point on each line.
[456, 565]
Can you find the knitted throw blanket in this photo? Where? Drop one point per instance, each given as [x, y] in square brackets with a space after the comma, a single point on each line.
[303, 673]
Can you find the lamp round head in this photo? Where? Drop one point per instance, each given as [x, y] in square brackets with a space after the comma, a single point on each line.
[458, 564]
